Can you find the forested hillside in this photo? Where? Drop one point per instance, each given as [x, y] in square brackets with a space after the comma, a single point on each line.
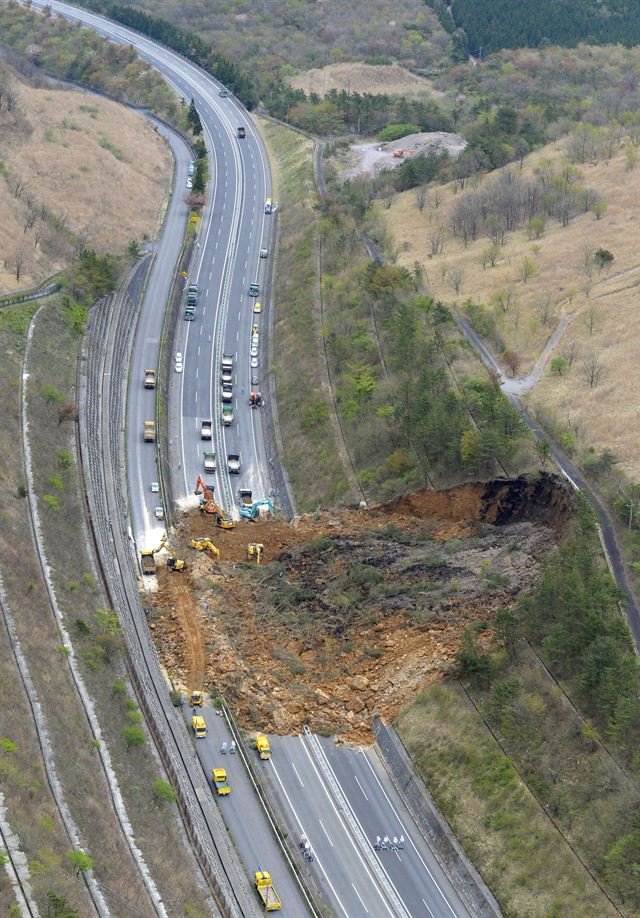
[494, 24]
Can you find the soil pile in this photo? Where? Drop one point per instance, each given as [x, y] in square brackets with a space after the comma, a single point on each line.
[350, 614]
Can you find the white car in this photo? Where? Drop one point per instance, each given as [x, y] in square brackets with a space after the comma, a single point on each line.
[189, 183]
[264, 253]
[178, 368]
[159, 513]
[155, 487]
[254, 350]
[255, 339]
[254, 363]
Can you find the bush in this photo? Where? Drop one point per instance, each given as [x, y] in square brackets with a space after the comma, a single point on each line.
[396, 131]
[163, 791]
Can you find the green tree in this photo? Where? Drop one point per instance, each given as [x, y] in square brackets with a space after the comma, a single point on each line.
[58, 907]
[558, 365]
[80, 861]
[163, 791]
[133, 736]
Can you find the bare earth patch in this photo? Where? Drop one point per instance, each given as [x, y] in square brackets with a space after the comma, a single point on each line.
[92, 164]
[387, 79]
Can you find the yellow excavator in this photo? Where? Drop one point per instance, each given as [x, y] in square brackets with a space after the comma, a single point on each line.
[208, 505]
[205, 545]
[255, 551]
[175, 564]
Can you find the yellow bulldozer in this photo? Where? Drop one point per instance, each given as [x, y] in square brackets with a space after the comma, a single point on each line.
[255, 551]
[205, 545]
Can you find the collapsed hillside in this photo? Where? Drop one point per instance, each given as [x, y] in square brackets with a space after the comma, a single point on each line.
[352, 613]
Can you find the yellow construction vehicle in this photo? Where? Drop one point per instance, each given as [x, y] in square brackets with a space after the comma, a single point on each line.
[263, 747]
[199, 726]
[255, 551]
[195, 699]
[205, 545]
[175, 564]
[219, 778]
[224, 522]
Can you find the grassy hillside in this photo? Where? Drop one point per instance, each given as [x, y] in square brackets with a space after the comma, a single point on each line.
[566, 282]
[76, 171]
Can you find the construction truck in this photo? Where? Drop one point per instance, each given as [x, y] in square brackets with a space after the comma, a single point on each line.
[149, 432]
[226, 375]
[227, 393]
[147, 562]
[204, 544]
[196, 699]
[206, 429]
[219, 778]
[227, 362]
[246, 497]
[210, 462]
[267, 891]
[176, 565]
[255, 550]
[263, 747]
[233, 463]
[224, 522]
[251, 511]
[254, 289]
[255, 399]
[149, 379]
[227, 415]
[199, 726]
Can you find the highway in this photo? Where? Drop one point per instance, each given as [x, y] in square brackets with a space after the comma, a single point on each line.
[315, 785]
[341, 799]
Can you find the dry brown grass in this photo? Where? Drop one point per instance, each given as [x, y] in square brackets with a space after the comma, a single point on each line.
[603, 415]
[110, 193]
[389, 79]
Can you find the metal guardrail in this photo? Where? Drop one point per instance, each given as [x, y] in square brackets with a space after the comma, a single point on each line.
[26, 297]
[109, 338]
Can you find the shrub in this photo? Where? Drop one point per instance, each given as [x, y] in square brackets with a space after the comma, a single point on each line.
[163, 791]
[396, 131]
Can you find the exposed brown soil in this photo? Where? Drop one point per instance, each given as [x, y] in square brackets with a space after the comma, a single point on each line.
[350, 613]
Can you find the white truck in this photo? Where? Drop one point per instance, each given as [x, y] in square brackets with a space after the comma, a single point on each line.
[206, 429]
[210, 462]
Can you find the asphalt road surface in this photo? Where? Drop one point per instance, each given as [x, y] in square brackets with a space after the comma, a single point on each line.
[234, 227]
[341, 800]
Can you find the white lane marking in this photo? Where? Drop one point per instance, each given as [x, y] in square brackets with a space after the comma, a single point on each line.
[427, 908]
[206, 293]
[199, 345]
[301, 827]
[361, 788]
[408, 836]
[372, 883]
[196, 404]
[324, 830]
[211, 272]
[197, 372]
[360, 897]
[297, 775]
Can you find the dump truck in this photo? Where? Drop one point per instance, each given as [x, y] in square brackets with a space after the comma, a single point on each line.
[227, 361]
[199, 726]
[263, 747]
[219, 778]
[233, 463]
[149, 379]
[227, 392]
[147, 563]
[149, 432]
[242, 133]
[246, 497]
[206, 429]
[210, 462]
[227, 375]
[227, 415]
[267, 891]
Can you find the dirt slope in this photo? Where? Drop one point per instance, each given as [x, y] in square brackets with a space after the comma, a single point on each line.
[91, 165]
[351, 614]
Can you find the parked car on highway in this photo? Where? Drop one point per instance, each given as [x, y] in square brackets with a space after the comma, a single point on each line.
[189, 183]
[257, 306]
[178, 362]
[159, 513]
[192, 169]
[223, 93]
[155, 487]
[254, 363]
[264, 253]
[254, 350]
[255, 380]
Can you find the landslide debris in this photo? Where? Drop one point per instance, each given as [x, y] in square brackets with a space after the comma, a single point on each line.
[351, 613]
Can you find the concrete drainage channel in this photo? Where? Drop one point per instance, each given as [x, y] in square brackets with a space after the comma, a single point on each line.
[108, 343]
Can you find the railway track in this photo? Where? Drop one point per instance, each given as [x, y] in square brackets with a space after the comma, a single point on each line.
[109, 341]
